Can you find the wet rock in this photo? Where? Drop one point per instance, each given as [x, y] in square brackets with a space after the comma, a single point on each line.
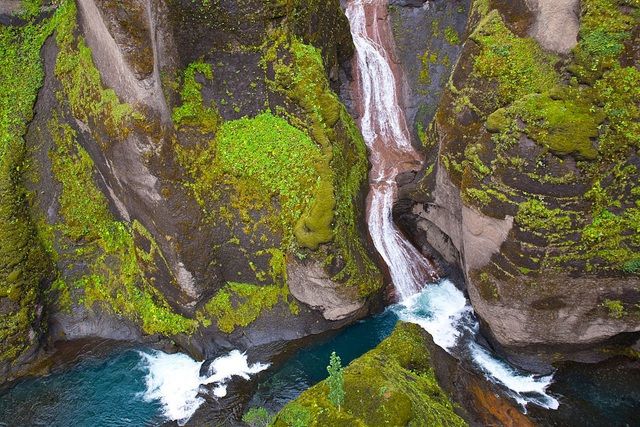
[310, 284]
[532, 296]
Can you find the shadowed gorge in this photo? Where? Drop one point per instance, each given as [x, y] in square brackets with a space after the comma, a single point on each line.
[203, 203]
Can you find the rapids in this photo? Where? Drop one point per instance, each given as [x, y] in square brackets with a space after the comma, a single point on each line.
[440, 308]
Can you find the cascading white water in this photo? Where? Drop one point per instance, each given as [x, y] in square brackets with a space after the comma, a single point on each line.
[385, 132]
[441, 308]
[174, 380]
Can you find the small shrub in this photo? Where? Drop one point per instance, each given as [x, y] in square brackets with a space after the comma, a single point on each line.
[335, 380]
[258, 417]
[615, 307]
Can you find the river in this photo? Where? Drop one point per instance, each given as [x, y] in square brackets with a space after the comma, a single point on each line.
[139, 386]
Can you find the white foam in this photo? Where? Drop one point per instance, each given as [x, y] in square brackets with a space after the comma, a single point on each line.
[438, 309]
[443, 311]
[527, 387]
[174, 380]
[235, 364]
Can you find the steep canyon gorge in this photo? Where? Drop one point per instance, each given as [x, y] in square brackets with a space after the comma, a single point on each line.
[211, 188]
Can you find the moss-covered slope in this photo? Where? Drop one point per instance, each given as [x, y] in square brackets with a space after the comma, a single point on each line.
[168, 190]
[542, 149]
[392, 385]
[24, 267]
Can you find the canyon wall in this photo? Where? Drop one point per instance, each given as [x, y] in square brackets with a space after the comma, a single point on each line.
[187, 171]
[531, 182]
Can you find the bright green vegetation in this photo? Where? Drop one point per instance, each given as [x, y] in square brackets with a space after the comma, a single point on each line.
[240, 304]
[564, 126]
[335, 381]
[23, 263]
[90, 102]
[331, 127]
[451, 36]
[301, 172]
[427, 59]
[603, 31]
[30, 8]
[258, 417]
[266, 157]
[615, 307]
[261, 158]
[534, 216]
[102, 263]
[583, 113]
[88, 234]
[392, 385]
[192, 112]
[518, 65]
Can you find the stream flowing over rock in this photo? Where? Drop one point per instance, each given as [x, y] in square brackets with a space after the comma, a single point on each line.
[228, 181]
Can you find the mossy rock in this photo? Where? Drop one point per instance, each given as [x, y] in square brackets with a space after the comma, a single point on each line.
[563, 126]
[498, 121]
[392, 385]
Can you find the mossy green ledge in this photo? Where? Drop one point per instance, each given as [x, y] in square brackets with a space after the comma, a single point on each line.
[391, 385]
[537, 170]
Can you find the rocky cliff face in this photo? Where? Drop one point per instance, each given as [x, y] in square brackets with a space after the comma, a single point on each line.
[532, 183]
[186, 170]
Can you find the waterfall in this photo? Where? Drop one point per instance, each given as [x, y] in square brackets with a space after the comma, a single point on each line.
[385, 132]
[441, 309]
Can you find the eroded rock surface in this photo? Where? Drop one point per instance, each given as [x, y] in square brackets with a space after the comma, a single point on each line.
[152, 223]
[520, 188]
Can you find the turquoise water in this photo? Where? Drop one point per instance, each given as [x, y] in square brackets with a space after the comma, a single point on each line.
[108, 390]
[309, 365]
[105, 391]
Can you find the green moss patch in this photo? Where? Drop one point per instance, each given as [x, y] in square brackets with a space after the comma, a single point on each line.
[392, 385]
[518, 65]
[240, 304]
[296, 171]
[24, 266]
[88, 234]
[564, 126]
[603, 30]
[535, 217]
[267, 157]
[89, 101]
[302, 78]
[573, 193]
[193, 112]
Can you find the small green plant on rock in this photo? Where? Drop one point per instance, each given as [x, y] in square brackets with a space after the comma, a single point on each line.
[336, 380]
[615, 307]
[296, 415]
[452, 36]
[258, 417]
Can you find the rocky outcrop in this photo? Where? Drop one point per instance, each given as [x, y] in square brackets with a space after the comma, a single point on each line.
[310, 284]
[529, 187]
[556, 24]
[393, 384]
[380, 390]
[190, 163]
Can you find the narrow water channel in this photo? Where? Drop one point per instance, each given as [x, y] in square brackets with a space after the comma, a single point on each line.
[382, 122]
[140, 386]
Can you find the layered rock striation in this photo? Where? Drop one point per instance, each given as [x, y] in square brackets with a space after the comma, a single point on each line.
[169, 167]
